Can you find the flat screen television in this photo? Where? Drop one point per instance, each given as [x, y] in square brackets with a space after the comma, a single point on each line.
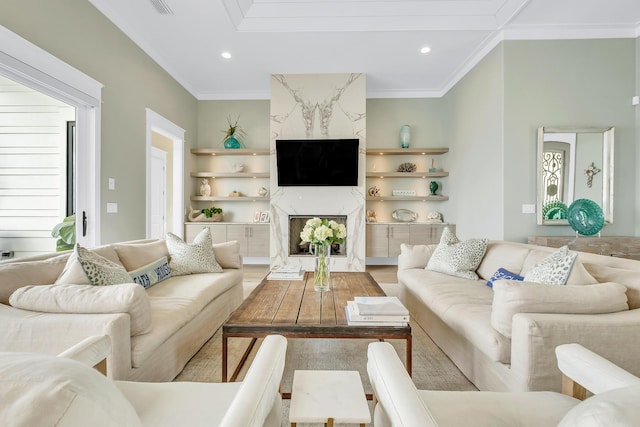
[317, 162]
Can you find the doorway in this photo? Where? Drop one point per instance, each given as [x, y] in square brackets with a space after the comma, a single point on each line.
[158, 193]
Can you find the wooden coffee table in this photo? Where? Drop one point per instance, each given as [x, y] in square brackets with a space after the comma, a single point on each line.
[292, 308]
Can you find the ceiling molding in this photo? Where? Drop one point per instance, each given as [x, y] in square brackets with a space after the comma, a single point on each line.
[566, 32]
[233, 96]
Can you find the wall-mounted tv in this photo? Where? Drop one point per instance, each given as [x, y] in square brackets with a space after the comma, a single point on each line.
[317, 162]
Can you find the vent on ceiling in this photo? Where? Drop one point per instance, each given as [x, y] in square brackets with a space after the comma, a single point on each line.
[162, 7]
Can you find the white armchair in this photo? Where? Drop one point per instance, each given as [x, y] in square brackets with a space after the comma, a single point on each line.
[39, 390]
[400, 403]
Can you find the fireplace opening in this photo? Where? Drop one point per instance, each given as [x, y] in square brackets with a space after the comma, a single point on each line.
[296, 224]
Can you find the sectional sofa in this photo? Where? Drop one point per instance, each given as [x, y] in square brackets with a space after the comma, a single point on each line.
[154, 330]
[503, 338]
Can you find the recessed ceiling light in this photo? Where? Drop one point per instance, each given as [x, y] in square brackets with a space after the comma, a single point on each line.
[226, 55]
[425, 49]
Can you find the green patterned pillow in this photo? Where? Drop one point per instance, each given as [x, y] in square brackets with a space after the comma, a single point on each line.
[191, 258]
[554, 269]
[457, 258]
[100, 270]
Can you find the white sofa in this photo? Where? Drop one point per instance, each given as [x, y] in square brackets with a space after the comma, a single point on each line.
[400, 403]
[457, 315]
[154, 331]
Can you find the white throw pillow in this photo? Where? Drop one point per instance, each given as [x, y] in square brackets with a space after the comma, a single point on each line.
[615, 408]
[124, 298]
[554, 269]
[85, 266]
[511, 297]
[457, 258]
[39, 390]
[152, 273]
[191, 258]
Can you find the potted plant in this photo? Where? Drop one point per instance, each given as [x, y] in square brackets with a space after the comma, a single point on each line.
[66, 233]
[213, 214]
[233, 130]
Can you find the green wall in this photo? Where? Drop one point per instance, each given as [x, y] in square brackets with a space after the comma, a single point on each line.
[78, 34]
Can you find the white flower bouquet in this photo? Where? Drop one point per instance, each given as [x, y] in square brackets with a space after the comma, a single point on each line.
[321, 234]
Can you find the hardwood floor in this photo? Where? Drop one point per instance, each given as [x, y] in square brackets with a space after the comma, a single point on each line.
[381, 273]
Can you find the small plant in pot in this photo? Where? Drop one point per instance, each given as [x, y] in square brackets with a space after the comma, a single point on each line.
[213, 214]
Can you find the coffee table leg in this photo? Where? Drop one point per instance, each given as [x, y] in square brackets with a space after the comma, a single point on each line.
[408, 356]
[224, 358]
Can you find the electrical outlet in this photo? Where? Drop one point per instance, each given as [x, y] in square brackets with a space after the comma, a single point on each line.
[112, 208]
[112, 183]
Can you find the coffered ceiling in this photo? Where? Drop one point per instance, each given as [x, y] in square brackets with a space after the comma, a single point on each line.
[381, 38]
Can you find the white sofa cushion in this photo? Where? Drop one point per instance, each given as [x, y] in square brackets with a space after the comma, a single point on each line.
[228, 254]
[612, 408]
[16, 274]
[136, 255]
[457, 258]
[192, 258]
[415, 256]
[42, 390]
[511, 297]
[502, 254]
[128, 298]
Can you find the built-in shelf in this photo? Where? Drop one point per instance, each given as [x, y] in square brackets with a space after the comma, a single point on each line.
[229, 199]
[406, 151]
[230, 152]
[407, 174]
[409, 199]
[230, 174]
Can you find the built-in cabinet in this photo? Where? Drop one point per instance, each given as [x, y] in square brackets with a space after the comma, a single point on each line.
[252, 238]
[384, 239]
[617, 246]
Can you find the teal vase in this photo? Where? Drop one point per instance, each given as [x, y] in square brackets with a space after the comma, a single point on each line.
[433, 187]
[231, 142]
[405, 136]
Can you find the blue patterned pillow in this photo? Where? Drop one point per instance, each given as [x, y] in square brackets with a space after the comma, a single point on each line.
[152, 273]
[503, 274]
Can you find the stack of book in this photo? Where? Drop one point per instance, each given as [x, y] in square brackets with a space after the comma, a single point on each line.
[286, 272]
[377, 311]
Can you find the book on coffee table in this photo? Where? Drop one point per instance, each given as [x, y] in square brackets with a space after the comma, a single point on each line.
[353, 317]
[387, 306]
[287, 272]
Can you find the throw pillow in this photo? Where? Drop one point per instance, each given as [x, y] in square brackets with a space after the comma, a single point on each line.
[617, 407]
[228, 254]
[457, 258]
[123, 298]
[100, 270]
[191, 258]
[554, 269]
[511, 297]
[503, 274]
[152, 273]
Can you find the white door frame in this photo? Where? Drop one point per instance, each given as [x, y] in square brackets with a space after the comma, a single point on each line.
[27, 64]
[162, 156]
[157, 123]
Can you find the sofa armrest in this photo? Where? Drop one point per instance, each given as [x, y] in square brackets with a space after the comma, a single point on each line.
[614, 336]
[584, 370]
[92, 351]
[52, 333]
[393, 388]
[414, 256]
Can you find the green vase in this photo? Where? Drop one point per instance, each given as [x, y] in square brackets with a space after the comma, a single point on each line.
[433, 187]
[231, 142]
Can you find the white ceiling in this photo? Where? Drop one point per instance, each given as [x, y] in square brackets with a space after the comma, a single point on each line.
[380, 38]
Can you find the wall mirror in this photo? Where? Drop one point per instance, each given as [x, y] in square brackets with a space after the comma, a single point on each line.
[573, 163]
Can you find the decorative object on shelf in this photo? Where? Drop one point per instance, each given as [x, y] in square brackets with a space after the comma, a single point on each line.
[434, 217]
[433, 169]
[404, 215]
[256, 216]
[264, 216]
[585, 217]
[233, 130]
[371, 216]
[321, 234]
[590, 172]
[401, 193]
[199, 216]
[238, 167]
[235, 194]
[433, 188]
[262, 192]
[373, 191]
[555, 209]
[407, 167]
[205, 188]
[212, 214]
[405, 136]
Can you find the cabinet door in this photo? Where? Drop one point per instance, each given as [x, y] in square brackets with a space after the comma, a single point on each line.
[218, 231]
[258, 243]
[398, 233]
[427, 234]
[239, 232]
[377, 240]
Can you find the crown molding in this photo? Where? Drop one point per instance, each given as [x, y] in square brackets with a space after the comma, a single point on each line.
[568, 32]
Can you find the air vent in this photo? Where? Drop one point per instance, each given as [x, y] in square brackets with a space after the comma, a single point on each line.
[162, 7]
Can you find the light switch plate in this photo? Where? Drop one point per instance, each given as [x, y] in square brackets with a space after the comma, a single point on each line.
[528, 209]
[112, 183]
[112, 208]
